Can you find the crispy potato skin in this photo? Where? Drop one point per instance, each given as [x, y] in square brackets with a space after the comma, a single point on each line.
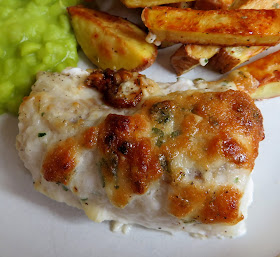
[188, 56]
[214, 27]
[146, 3]
[182, 62]
[110, 41]
[230, 57]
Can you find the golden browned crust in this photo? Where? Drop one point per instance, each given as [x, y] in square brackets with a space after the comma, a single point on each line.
[206, 205]
[60, 161]
[136, 152]
[129, 162]
[220, 113]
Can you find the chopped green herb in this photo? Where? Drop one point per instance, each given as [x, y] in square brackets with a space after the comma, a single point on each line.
[158, 132]
[236, 180]
[189, 221]
[65, 188]
[225, 83]
[164, 163]
[102, 163]
[162, 112]
[213, 121]
[198, 79]
[206, 60]
[159, 142]
[175, 133]
[41, 134]
[275, 5]
[42, 114]
[84, 199]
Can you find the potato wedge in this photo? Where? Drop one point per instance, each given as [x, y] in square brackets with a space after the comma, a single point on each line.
[260, 79]
[214, 27]
[146, 3]
[228, 58]
[213, 4]
[110, 41]
[189, 56]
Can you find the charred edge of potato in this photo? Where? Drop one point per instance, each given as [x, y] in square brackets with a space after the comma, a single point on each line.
[213, 4]
[182, 62]
[188, 57]
[223, 62]
[110, 84]
[226, 59]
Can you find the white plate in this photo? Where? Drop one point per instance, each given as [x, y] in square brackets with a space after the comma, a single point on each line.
[32, 225]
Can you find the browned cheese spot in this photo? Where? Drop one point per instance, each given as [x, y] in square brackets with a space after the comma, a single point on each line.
[129, 164]
[206, 205]
[109, 83]
[60, 161]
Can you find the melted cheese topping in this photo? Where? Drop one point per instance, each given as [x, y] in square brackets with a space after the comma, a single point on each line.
[175, 157]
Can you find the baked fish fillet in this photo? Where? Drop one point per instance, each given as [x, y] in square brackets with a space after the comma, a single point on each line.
[124, 148]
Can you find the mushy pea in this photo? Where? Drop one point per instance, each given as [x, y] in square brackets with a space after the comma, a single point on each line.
[35, 35]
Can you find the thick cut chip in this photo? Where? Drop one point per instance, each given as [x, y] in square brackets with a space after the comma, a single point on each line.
[110, 41]
[214, 27]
